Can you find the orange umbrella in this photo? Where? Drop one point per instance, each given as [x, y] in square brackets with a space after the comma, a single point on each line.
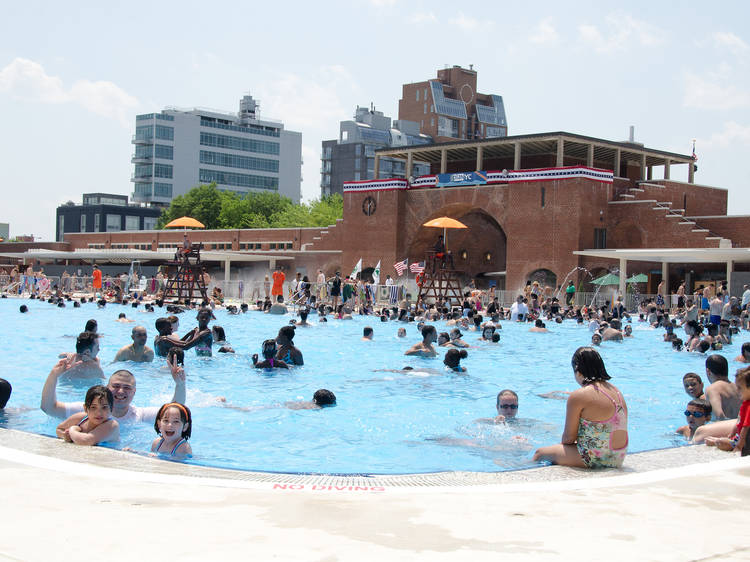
[444, 223]
[185, 222]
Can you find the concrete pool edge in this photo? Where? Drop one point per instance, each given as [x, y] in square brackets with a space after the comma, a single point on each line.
[640, 468]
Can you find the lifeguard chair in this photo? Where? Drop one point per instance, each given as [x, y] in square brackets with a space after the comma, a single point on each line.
[439, 280]
[187, 280]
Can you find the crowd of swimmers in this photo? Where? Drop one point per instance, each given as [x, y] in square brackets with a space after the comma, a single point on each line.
[595, 429]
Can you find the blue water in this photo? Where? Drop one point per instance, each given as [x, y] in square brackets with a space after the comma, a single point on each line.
[385, 422]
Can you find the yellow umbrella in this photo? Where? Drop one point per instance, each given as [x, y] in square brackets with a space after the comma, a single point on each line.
[444, 223]
[185, 222]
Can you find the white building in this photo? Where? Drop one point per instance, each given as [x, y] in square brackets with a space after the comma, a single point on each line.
[179, 149]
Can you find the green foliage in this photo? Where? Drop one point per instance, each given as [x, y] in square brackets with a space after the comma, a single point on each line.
[227, 209]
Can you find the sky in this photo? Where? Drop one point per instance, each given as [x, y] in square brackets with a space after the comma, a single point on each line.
[73, 75]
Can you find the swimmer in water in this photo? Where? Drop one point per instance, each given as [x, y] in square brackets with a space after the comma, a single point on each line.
[200, 338]
[173, 425]
[487, 332]
[539, 327]
[425, 347]
[401, 332]
[95, 423]
[453, 358]
[367, 334]
[270, 361]
[444, 340]
[506, 405]
[456, 340]
[287, 352]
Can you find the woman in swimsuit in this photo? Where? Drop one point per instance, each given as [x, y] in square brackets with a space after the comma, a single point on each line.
[173, 425]
[595, 434]
[287, 352]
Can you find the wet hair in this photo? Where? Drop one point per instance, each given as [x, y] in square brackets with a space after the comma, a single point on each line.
[218, 333]
[367, 331]
[743, 377]
[428, 330]
[23, 308]
[745, 347]
[172, 319]
[60, 304]
[76, 304]
[85, 341]
[712, 329]
[703, 404]
[288, 332]
[243, 307]
[324, 397]
[717, 364]
[453, 357]
[175, 355]
[538, 323]
[303, 313]
[5, 391]
[692, 376]
[121, 315]
[98, 391]
[677, 344]
[703, 347]
[503, 393]
[269, 348]
[588, 362]
[495, 337]
[163, 326]
[280, 299]
[185, 416]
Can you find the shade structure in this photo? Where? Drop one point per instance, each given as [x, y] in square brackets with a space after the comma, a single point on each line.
[185, 222]
[640, 278]
[609, 279]
[444, 223]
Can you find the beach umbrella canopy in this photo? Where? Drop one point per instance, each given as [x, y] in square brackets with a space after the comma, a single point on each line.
[609, 279]
[185, 222]
[444, 223]
[640, 278]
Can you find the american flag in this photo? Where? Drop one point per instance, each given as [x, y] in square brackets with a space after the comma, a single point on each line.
[400, 266]
[417, 267]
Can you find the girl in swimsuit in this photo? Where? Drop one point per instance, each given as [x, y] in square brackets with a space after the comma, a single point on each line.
[270, 361]
[95, 423]
[595, 434]
[173, 424]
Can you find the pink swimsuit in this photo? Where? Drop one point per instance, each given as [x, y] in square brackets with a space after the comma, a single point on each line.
[595, 438]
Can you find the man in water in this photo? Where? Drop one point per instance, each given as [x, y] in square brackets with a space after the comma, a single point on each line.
[122, 386]
[425, 347]
[137, 351]
[203, 342]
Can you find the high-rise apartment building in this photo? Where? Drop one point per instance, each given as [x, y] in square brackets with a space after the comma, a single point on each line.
[351, 157]
[450, 108]
[178, 149]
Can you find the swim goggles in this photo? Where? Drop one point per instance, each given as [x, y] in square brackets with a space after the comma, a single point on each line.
[688, 413]
[509, 406]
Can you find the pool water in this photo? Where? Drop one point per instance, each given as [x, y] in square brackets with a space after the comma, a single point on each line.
[385, 422]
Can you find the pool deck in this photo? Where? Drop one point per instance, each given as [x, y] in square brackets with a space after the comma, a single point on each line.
[69, 502]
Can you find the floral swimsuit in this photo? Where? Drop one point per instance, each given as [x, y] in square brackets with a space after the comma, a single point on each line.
[595, 438]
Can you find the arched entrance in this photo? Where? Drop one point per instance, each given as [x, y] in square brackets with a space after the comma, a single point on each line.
[480, 248]
[544, 277]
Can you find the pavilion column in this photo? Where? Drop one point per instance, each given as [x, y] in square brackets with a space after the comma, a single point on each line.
[649, 172]
[691, 172]
[226, 271]
[665, 278]
[590, 156]
[272, 264]
[623, 277]
[409, 165]
[643, 166]
[516, 155]
[480, 158]
[560, 152]
[443, 160]
[376, 171]
[730, 266]
[616, 167]
[667, 164]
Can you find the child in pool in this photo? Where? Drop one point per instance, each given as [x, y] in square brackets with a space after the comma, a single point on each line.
[173, 425]
[453, 358]
[693, 385]
[698, 412]
[95, 423]
[269, 354]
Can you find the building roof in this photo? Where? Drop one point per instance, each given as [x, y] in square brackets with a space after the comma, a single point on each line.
[673, 255]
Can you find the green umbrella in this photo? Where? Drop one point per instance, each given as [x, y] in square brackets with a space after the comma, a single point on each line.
[609, 279]
[640, 278]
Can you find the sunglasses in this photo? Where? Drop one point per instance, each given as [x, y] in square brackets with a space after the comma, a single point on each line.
[688, 413]
[509, 406]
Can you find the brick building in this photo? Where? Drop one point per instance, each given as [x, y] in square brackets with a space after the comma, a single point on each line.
[551, 195]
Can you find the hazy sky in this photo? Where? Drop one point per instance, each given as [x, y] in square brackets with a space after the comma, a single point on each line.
[73, 75]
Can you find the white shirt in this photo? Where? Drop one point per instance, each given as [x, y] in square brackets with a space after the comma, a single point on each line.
[133, 415]
[389, 282]
[745, 298]
[516, 309]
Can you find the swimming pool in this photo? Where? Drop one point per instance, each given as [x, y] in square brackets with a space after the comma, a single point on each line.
[385, 422]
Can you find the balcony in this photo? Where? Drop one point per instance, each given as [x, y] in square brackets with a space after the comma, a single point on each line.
[147, 178]
[141, 159]
[142, 141]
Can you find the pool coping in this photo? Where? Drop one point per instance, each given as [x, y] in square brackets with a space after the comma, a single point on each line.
[49, 453]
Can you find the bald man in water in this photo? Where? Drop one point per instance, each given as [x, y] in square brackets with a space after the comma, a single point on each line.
[137, 351]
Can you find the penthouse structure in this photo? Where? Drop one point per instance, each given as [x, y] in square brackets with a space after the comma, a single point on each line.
[178, 149]
[351, 157]
[450, 108]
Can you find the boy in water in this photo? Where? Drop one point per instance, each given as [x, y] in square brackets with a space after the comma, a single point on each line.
[698, 413]
[724, 396]
[737, 440]
[425, 347]
[693, 385]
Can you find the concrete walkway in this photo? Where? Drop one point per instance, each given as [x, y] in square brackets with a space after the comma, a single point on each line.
[69, 503]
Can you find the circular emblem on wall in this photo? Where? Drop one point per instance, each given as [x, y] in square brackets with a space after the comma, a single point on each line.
[466, 93]
[369, 206]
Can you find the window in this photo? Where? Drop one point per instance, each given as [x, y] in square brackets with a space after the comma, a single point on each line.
[149, 223]
[114, 223]
[432, 121]
[243, 162]
[162, 189]
[144, 151]
[357, 176]
[417, 94]
[132, 223]
[288, 245]
[358, 150]
[246, 145]
[543, 193]
[143, 170]
[83, 223]
[96, 222]
[425, 94]
[239, 180]
[447, 127]
[251, 129]
[163, 171]
[60, 226]
[326, 152]
[164, 133]
[144, 132]
[164, 151]
[425, 108]
[600, 238]
[143, 189]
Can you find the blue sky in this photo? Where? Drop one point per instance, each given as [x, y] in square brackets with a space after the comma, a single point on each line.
[73, 75]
